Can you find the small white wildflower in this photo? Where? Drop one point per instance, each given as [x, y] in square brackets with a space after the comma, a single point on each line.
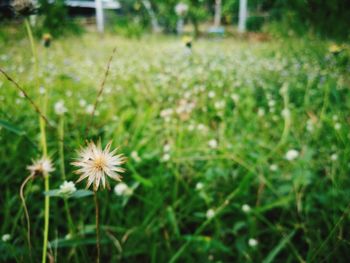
[166, 157]
[337, 126]
[135, 156]
[166, 148]
[213, 143]
[42, 90]
[42, 166]
[285, 113]
[246, 208]
[211, 94]
[199, 186]
[82, 102]
[89, 109]
[67, 188]
[122, 189]
[335, 117]
[201, 127]
[235, 97]
[210, 213]
[252, 242]
[60, 109]
[6, 237]
[96, 165]
[219, 105]
[272, 103]
[261, 112]
[334, 157]
[309, 125]
[273, 167]
[291, 155]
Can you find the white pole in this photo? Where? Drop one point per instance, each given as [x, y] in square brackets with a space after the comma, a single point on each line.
[242, 15]
[99, 16]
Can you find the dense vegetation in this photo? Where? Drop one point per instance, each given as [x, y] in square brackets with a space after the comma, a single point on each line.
[237, 152]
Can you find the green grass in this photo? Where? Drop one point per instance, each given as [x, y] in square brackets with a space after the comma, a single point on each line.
[157, 96]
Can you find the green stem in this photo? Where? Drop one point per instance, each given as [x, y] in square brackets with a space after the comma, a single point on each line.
[42, 141]
[97, 228]
[46, 222]
[61, 147]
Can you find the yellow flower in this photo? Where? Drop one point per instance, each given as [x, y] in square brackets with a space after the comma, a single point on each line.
[334, 48]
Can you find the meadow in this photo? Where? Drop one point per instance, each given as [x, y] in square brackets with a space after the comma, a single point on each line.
[237, 151]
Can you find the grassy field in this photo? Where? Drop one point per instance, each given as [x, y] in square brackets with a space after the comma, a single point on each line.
[238, 152]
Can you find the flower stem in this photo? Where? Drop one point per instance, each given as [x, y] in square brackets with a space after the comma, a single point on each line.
[97, 227]
[42, 141]
[21, 194]
[61, 147]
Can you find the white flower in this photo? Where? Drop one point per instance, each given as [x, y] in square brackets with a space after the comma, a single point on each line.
[252, 242]
[337, 126]
[272, 103]
[6, 237]
[122, 189]
[89, 109]
[261, 112]
[211, 94]
[219, 105]
[213, 144]
[235, 97]
[199, 186]
[60, 109]
[285, 113]
[273, 167]
[67, 188]
[210, 213]
[42, 166]
[82, 102]
[166, 148]
[97, 164]
[166, 157]
[334, 157]
[291, 155]
[246, 208]
[42, 90]
[310, 125]
[135, 156]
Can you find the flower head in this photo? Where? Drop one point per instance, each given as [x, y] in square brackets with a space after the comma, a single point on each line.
[292, 154]
[95, 164]
[6, 237]
[67, 188]
[42, 166]
[60, 108]
[252, 242]
[122, 189]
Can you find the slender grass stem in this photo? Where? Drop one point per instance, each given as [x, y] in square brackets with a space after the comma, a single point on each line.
[97, 227]
[61, 147]
[42, 123]
[21, 194]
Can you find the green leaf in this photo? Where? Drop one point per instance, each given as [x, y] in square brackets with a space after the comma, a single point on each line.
[53, 193]
[274, 252]
[76, 194]
[81, 193]
[8, 126]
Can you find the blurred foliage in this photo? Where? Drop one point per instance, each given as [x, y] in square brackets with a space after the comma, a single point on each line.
[54, 19]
